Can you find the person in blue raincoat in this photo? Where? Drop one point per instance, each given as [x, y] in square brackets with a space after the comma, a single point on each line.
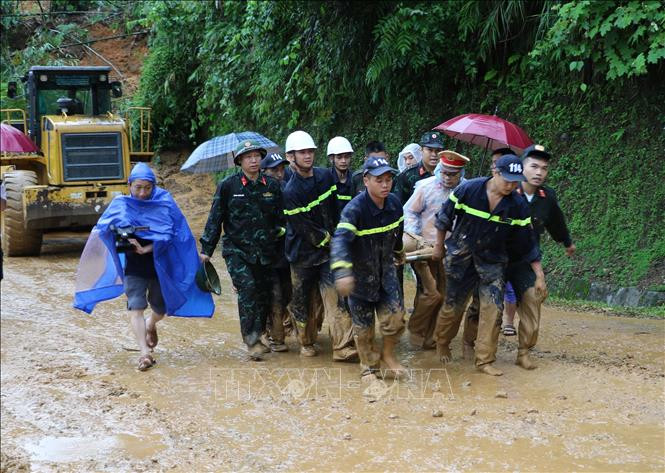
[154, 266]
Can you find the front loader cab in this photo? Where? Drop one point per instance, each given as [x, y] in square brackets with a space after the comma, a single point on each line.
[69, 90]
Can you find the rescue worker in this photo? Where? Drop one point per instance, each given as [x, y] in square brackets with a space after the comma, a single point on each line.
[545, 215]
[310, 205]
[340, 153]
[419, 216]
[472, 312]
[373, 148]
[367, 241]
[248, 205]
[405, 182]
[489, 222]
[279, 322]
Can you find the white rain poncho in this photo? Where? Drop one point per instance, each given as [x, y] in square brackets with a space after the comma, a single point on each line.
[413, 149]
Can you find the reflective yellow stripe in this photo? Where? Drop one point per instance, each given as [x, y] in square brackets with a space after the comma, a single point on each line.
[371, 231]
[347, 226]
[324, 241]
[341, 264]
[487, 216]
[281, 231]
[343, 197]
[312, 204]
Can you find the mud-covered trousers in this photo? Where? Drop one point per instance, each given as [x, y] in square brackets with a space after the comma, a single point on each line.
[389, 310]
[254, 286]
[281, 297]
[429, 298]
[463, 274]
[523, 279]
[306, 281]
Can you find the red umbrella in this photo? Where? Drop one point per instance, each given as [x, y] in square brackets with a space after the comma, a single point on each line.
[487, 131]
[14, 140]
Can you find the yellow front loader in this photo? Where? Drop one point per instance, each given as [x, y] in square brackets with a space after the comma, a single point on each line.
[85, 158]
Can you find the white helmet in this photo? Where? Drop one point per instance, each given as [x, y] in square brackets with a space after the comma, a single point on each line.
[299, 140]
[339, 145]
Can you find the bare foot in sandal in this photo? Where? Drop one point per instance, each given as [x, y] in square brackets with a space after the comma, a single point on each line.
[509, 330]
[151, 338]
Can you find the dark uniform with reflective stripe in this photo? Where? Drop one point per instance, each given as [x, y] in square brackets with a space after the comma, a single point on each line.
[310, 205]
[477, 252]
[251, 214]
[405, 182]
[344, 189]
[545, 214]
[364, 246]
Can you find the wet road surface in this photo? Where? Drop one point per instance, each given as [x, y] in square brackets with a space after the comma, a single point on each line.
[72, 399]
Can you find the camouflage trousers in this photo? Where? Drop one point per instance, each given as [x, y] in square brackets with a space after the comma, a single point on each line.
[389, 311]
[306, 282]
[463, 274]
[281, 297]
[254, 285]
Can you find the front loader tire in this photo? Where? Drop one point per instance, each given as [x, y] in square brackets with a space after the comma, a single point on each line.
[17, 240]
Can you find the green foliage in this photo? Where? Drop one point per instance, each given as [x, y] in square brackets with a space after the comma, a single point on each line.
[615, 39]
[582, 77]
[165, 84]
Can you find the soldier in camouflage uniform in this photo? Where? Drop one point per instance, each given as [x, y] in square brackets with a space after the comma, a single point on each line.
[249, 206]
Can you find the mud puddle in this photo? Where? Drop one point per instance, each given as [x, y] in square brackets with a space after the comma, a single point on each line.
[72, 399]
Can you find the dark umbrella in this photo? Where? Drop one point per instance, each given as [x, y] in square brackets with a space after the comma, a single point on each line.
[486, 131]
[13, 140]
[216, 154]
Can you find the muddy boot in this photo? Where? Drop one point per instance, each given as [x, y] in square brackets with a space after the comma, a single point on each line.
[487, 368]
[444, 354]
[524, 360]
[468, 352]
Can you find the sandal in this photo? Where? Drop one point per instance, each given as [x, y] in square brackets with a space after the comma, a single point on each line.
[146, 362]
[151, 338]
[509, 330]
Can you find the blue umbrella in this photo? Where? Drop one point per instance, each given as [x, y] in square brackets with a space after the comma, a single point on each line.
[216, 154]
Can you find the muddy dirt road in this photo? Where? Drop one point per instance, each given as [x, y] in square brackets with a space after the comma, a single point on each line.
[72, 399]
